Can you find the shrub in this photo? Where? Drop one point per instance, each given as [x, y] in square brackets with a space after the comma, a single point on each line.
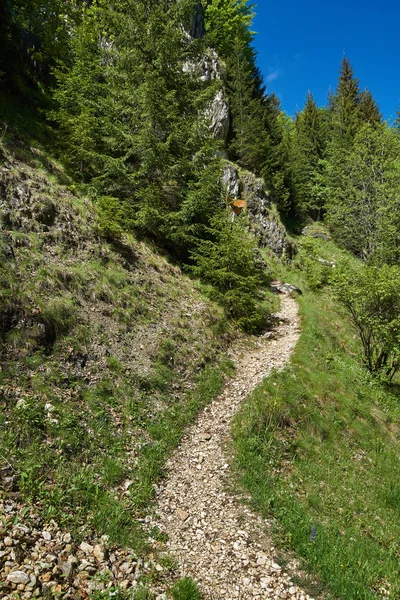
[110, 220]
[226, 260]
[185, 589]
[372, 300]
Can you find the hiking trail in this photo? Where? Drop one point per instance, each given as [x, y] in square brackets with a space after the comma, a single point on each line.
[216, 539]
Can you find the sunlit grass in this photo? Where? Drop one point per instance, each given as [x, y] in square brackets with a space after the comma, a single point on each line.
[318, 447]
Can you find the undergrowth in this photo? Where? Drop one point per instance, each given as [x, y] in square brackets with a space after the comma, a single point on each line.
[106, 354]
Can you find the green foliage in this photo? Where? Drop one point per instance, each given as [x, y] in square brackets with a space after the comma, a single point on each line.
[228, 23]
[343, 105]
[362, 194]
[185, 589]
[226, 261]
[111, 218]
[371, 298]
[308, 152]
[34, 37]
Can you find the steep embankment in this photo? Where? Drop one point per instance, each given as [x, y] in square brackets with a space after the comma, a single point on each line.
[107, 352]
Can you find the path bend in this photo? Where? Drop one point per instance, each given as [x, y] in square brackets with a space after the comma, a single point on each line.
[217, 540]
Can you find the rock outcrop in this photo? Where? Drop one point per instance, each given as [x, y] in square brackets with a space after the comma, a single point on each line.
[263, 219]
[210, 68]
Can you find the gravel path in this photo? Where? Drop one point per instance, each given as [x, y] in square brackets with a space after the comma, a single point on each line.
[217, 540]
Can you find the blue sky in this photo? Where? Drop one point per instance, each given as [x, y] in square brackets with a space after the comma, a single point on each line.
[300, 46]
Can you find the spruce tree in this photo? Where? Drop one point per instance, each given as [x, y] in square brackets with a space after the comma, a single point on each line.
[228, 21]
[368, 110]
[343, 105]
[364, 204]
[277, 171]
[308, 152]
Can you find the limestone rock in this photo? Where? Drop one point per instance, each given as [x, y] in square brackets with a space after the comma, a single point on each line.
[86, 548]
[264, 221]
[230, 181]
[18, 577]
[210, 68]
[284, 288]
[218, 115]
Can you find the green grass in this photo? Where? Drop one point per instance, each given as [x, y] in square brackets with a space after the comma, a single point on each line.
[318, 447]
[185, 589]
[73, 458]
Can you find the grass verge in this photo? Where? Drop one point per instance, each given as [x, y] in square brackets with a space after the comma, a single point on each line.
[318, 448]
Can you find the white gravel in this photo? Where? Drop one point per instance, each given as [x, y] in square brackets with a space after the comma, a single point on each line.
[217, 540]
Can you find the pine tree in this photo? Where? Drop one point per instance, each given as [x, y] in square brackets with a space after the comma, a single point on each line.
[224, 257]
[34, 37]
[228, 21]
[364, 204]
[277, 169]
[248, 111]
[368, 110]
[308, 154]
[343, 105]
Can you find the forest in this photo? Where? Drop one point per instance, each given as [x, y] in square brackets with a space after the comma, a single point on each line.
[125, 114]
[144, 103]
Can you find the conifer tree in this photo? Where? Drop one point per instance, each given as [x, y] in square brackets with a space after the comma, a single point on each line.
[277, 168]
[308, 153]
[368, 110]
[248, 111]
[34, 37]
[364, 204]
[343, 105]
[227, 21]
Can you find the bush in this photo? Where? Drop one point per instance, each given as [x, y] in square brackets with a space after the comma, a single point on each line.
[110, 220]
[226, 260]
[371, 298]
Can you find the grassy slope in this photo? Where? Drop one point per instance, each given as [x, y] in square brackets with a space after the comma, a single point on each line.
[318, 445]
[106, 353]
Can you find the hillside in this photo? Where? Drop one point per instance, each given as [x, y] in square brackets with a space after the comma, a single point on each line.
[107, 352]
[199, 315]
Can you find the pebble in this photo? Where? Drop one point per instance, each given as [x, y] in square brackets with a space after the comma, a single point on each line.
[18, 577]
[50, 562]
[86, 548]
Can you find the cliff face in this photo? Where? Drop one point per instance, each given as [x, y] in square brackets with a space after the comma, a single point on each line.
[264, 219]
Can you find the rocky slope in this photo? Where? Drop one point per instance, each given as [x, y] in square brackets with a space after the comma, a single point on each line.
[107, 350]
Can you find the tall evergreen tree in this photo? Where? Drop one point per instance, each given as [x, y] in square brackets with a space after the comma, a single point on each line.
[227, 21]
[277, 168]
[308, 152]
[368, 109]
[343, 105]
[364, 204]
[248, 110]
